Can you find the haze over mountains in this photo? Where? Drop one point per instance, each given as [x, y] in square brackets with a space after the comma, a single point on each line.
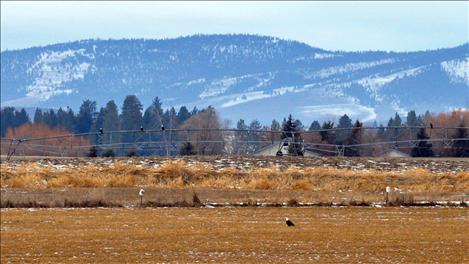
[243, 76]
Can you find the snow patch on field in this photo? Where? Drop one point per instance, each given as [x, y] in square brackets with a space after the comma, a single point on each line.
[458, 70]
[51, 72]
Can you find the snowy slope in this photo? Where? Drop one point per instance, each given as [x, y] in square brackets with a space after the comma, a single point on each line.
[243, 76]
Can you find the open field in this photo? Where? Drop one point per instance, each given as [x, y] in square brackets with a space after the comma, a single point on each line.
[248, 235]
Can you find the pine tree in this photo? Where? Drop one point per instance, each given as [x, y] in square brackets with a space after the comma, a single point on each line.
[354, 139]
[412, 122]
[7, 118]
[291, 130]
[98, 124]
[241, 135]
[460, 146]
[314, 126]
[111, 123]
[86, 116]
[275, 126]
[38, 116]
[60, 117]
[254, 136]
[344, 123]
[151, 119]
[327, 136]
[183, 114]
[50, 118]
[131, 117]
[21, 118]
[69, 121]
[423, 148]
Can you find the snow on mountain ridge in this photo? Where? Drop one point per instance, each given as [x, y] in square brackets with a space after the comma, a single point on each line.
[51, 74]
[458, 70]
[349, 67]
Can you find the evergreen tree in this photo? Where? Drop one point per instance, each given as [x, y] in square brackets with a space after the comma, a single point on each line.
[275, 126]
[111, 122]
[460, 147]
[131, 117]
[254, 136]
[69, 121]
[344, 123]
[241, 135]
[412, 121]
[99, 120]
[50, 118]
[423, 148]
[241, 125]
[397, 120]
[327, 136]
[172, 118]
[86, 116]
[314, 126]
[38, 116]
[21, 118]
[291, 130]
[354, 139]
[183, 115]
[194, 111]
[7, 118]
[151, 119]
[60, 117]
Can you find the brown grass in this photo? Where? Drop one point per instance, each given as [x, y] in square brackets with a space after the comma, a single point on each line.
[179, 174]
[235, 235]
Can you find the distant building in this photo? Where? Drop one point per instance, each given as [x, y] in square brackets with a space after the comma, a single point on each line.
[271, 150]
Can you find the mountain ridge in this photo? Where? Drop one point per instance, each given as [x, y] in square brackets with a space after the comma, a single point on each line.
[235, 73]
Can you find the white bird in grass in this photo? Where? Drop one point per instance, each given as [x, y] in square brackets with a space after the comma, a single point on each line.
[289, 222]
[141, 196]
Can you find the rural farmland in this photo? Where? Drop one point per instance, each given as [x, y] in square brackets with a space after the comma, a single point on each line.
[247, 235]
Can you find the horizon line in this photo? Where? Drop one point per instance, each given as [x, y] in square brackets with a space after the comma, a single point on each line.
[226, 34]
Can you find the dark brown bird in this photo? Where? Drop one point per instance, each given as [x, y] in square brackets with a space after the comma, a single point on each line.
[289, 222]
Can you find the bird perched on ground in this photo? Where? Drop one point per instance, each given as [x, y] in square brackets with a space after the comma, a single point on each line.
[289, 222]
[162, 127]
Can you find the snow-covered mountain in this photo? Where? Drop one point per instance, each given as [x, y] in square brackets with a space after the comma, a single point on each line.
[243, 76]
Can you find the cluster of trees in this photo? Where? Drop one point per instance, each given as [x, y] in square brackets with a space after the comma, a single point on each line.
[107, 118]
[89, 119]
[247, 138]
[396, 134]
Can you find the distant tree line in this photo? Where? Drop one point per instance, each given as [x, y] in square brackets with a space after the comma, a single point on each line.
[249, 137]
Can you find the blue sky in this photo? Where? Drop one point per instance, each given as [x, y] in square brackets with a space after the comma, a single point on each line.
[398, 26]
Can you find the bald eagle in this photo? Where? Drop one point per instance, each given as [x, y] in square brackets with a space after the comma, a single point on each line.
[289, 222]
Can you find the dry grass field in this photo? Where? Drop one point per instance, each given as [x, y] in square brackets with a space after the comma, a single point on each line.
[179, 173]
[242, 235]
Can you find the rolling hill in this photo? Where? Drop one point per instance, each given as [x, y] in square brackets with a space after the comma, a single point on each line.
[243, 76]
